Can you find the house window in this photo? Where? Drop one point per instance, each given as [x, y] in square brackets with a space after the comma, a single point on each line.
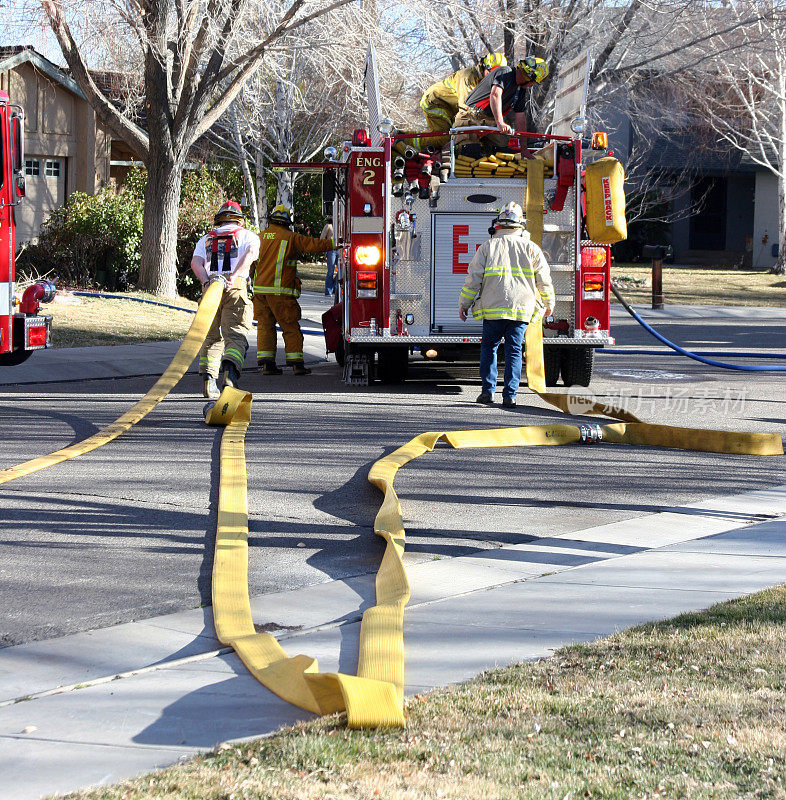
[32, 166]
[52, 169]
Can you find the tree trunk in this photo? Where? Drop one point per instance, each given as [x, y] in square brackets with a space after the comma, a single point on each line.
[243, 161]
[286, 186]
[509, 32]
[158, 271]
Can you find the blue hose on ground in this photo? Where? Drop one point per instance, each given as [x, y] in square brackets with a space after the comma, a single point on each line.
[630, 351]
[711, 362]
[306, 331]
[135, 299]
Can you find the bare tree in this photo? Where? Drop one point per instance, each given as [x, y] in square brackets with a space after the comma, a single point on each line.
[743, 99]
[193, 58]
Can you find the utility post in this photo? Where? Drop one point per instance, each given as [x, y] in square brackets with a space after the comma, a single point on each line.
[656, 252]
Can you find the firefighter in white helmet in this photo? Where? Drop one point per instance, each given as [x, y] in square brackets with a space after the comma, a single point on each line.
[508, 284]
[226, 254]
[276, 290]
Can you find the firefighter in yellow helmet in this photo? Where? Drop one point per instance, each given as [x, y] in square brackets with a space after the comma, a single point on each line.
[499, 92]
[276, 289]
[443, 100]
[226, 254]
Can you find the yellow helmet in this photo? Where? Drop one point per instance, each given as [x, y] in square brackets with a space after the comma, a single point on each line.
[494, 60]
[282, 215]
[534, 69]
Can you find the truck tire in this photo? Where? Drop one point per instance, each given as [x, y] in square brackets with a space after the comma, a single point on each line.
[15, 358]
[341, 352]
[392, 364]
[552, 362]
[577, 365]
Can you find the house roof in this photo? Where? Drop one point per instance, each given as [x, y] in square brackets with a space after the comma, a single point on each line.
[115, 86]
[11, 57]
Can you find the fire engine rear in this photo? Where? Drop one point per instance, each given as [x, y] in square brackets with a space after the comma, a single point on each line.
[22, 328]
[410, 230]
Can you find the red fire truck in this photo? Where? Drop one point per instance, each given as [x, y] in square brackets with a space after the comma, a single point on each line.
[409, 225]
[405, 257]
[22, 328]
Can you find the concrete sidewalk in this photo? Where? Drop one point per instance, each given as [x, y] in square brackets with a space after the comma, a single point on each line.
[99, 706]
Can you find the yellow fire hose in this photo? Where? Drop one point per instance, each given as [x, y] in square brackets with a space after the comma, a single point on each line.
[374, 697]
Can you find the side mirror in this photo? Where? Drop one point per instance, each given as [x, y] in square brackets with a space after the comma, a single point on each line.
[328, 192]
[20, 184]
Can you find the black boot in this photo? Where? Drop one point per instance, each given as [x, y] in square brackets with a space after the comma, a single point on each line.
[299, 368]
[210, 389]
[269, 367]
[230, 373]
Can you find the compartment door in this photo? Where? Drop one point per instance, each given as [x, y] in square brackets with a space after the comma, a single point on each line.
[456, 237]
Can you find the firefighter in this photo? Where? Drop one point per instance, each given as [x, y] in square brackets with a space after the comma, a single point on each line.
[497, 93]
[508, 284]
[226, 254]
[442, 101]
[276, 289]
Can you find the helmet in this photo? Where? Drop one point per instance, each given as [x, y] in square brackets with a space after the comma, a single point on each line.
[229, 212]
[535, 69]
[511, 216]
[494, 60]
[282, 215]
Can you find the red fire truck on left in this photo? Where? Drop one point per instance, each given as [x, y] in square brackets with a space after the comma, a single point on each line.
[22, 328]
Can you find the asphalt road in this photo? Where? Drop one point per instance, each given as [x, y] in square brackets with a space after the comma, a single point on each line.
[126, 532]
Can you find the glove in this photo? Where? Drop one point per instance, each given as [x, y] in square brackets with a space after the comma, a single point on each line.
[220, 278]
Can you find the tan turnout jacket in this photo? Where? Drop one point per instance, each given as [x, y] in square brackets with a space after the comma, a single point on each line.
[508, 278]
[276, 269]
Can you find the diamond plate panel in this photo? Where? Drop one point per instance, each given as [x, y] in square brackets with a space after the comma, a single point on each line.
[413, 277]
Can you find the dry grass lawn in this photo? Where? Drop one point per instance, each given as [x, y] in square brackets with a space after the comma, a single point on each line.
[688, 708]
[709, 286]
[105, 322]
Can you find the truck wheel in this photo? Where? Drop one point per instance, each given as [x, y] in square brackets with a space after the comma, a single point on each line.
[552, 361]
[392, 364]
[15, 358]
[577, 365]
[341, 352]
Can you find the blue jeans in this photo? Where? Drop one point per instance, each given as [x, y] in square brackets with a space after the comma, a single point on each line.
[330, 278]
[494, 331]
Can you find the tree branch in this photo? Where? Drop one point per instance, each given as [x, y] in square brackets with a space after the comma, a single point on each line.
[109, 115]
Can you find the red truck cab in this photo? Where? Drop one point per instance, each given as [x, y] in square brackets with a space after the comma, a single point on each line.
[22, 328]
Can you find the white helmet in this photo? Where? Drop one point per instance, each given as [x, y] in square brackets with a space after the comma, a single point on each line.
[511, 216]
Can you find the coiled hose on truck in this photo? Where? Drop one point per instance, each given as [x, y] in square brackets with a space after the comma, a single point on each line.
[695, 356]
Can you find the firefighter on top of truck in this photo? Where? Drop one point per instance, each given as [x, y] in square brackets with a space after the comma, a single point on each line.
[508, 284]
[276, 290]
[443, 100]
[497, 93]
[226, 254]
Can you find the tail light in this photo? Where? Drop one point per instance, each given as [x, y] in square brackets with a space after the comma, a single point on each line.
[593, 274]
[36, 336]
[368, 255]
[366, 284]
[593, 285]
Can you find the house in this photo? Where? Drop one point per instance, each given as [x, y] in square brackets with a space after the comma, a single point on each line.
[66, 148]
[717, 206]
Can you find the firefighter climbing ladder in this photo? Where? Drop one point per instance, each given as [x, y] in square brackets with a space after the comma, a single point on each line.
[373, 697]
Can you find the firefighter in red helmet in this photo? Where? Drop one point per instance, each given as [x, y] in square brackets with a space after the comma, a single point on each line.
[226, 254]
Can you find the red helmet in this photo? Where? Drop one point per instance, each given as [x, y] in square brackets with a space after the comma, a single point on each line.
[229, 212]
